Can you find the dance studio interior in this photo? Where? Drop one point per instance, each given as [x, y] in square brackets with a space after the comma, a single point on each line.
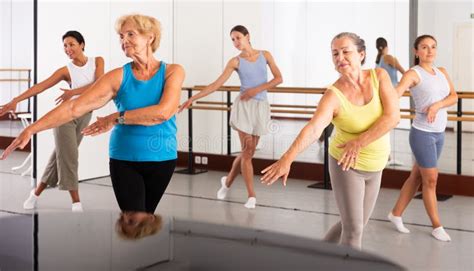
[236, 135]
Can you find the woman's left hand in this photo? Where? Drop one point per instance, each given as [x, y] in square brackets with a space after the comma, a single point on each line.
[431, 112]
[248, 94]
[67, 95]
[102, 125]
[349, 156]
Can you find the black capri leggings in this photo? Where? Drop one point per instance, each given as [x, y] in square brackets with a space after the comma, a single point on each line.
[139, 186]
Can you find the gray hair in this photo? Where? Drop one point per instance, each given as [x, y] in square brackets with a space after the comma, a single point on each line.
[358, 41]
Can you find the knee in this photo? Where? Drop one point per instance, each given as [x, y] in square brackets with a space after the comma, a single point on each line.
[247, 155]
[430, 182]
[353, 231]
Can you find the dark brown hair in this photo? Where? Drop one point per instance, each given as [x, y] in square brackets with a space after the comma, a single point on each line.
[240, 28]
[417, 42]
[380, 43]
[77, 36]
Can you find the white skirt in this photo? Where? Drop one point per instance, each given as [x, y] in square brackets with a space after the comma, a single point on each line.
[251, 117]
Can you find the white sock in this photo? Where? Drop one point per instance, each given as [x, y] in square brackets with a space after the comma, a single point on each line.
[77, 207]
[222, 192]
[251, 202]
[30, 202]
[398, 222]
[440, 234]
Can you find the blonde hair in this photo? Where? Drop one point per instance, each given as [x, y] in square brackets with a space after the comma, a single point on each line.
[143, 229]
[144, 24]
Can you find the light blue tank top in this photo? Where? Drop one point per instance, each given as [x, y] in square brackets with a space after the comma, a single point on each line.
[392, 72]
[253, 74]
[137, 142]
[430, 89]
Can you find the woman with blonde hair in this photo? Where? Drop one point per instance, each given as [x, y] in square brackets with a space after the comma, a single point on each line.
[146, 92]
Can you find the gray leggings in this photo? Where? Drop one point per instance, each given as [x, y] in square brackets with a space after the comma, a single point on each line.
[356, 192]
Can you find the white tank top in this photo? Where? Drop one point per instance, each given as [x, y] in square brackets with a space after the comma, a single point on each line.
[430, 89]
[81, 76]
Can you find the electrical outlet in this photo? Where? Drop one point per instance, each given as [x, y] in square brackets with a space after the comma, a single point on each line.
[197, 159]
[204, 160]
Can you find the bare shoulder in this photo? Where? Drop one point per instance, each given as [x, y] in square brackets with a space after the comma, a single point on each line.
[389, 59]
[381, 73]
[62, 74]
[233, 62]
[114, 77]
[99, 60]
[267, 54]
[411, 74]
[174, 68]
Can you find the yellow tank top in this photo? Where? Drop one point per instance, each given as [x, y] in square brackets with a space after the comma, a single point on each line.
[352, 120]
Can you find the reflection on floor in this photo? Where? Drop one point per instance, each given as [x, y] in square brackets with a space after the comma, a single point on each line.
[164, 243]
[294, 210]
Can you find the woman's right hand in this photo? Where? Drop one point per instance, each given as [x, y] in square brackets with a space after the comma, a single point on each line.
[185, 105]
[280, 168]
[19, 142]
[9, 107]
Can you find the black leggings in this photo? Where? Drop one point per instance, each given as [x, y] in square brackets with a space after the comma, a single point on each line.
[139, 186]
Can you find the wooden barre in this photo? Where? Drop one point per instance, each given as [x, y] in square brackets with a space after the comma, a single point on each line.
[300, 90]
[272, 105]
[14, 70]
[215, 108]
[470, 113]
[15, 80]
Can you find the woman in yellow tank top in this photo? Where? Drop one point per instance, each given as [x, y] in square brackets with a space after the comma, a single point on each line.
[363, 106]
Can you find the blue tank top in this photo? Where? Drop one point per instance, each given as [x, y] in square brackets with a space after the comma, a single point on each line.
[253, 74]
[392, 72]
[137, 142]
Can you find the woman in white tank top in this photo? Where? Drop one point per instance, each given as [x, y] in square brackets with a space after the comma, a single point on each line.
[433, 92]
[80, 73]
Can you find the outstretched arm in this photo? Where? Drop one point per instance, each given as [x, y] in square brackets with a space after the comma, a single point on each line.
[325, 111]
[232, 65]
[95, 97]
[56, 77]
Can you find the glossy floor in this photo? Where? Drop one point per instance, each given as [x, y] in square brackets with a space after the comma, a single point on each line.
[295, 210]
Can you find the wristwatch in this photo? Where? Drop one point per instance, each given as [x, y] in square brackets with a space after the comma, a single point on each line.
[121, 118]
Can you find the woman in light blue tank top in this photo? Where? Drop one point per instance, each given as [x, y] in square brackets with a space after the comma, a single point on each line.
[146, 92]
[432, 92]
[250, 113]
[387, 62]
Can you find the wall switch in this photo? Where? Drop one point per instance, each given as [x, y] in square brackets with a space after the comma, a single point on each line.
[197, 159]
[204, 160]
